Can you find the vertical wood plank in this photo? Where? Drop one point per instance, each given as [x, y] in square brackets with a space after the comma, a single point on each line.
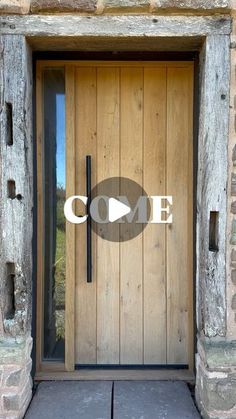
[131, 252]
[86, 138]
[107, 252]
[179, 235]
[70, 228]
[154, 235]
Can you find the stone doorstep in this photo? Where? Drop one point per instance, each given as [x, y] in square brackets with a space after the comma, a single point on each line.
[127, 399]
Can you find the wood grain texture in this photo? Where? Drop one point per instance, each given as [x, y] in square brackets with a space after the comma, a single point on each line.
[109, 43]
[118, 63]
[134, 311]
[115, 26]
[139, 295]
[114, 374]
[212, 184]
[179, 237]
[131, 251]
[108, 132]
[154, 250]
[16, 215]
[86, 144]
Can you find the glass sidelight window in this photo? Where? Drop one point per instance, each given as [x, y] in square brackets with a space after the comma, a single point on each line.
[53, 233]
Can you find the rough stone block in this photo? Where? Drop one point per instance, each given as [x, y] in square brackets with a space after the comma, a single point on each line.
[192, 4]
[233, 207]
[215, 393]
[1, 377]
[233, 255]
[15, 353]
[11, 356]
[14, 6]
[233, 276]
[28, 367]
[233, 233]
[11, 402]
[218, 355]
[14, 378]
[114, 5]
[233, 304]
[234, 155]
[15, 399]
[57, 6]
[233, 184]
[226, 389]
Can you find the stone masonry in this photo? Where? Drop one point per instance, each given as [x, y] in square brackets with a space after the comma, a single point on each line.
[15, 377]
[114, 6]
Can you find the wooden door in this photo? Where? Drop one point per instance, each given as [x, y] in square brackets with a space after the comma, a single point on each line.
[135, 120]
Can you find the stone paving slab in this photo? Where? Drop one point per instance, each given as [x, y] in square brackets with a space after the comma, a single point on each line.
[153, 400]
[71, 399]
[131, 400]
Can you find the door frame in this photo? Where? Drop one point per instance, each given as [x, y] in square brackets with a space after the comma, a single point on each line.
[50, 369]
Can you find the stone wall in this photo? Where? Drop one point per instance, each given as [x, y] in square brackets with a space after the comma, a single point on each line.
[216, 379]
[15, 378]
[115, 6]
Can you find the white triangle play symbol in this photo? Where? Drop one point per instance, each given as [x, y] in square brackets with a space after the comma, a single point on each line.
[117, 209]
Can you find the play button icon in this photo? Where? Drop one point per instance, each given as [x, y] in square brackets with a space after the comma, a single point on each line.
[117, 199]
[117, 210]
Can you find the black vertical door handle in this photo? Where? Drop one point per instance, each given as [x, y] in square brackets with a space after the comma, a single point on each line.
[89, 230]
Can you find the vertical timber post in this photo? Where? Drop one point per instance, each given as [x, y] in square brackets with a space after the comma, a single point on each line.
[212, 198]
[16, 222]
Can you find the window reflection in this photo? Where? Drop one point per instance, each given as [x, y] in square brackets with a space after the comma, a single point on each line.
[54, 220]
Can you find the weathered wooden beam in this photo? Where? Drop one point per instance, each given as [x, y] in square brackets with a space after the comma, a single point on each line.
[16, 181]
[212, 184]
[114, 26]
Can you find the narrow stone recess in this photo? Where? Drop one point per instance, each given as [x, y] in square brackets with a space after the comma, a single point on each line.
[9, 309]
[11, 189]
[9, 124]
[214, 231]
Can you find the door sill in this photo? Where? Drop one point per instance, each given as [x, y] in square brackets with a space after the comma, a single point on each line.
[117, 375]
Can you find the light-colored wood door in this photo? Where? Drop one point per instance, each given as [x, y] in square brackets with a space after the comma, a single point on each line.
[135, 120]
